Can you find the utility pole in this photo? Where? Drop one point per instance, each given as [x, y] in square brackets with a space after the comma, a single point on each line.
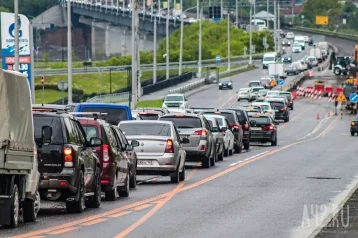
[274, 24]
[237, 14]
[267, 17]
[221, 7]
[250, 46]
[228, 42]
[69, 51]
[197, 9]
[278, 26]
[181, 38]
[155, 52]
[200, 39]
[159, 12]
[134, 54]
[17, 51]
[167, 42]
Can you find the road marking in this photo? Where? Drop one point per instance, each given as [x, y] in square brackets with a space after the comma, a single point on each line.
[141, 207]
[90, 223]
[63, 230]
[119, 214]
[252, 157]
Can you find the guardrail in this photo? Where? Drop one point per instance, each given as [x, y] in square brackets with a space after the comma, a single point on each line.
[200, 82]
[327, 33]
[144, 67]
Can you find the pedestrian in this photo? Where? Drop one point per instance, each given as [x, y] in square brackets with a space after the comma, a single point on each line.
[335, 106]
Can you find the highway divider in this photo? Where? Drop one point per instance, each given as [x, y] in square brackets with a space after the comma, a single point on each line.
[326, 33]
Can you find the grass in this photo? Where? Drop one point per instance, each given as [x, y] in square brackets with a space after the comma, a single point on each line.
[49, 96]
[60, 65]
[150, 103]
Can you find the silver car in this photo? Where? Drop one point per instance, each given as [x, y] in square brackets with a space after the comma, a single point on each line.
[202, 145]
[160, 148]
[223, 133]
[243, 93]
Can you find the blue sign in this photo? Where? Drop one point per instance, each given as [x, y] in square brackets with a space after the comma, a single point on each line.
[8, 43]
[217, 19]
[218, 59]
[281, 82]
[353, 98]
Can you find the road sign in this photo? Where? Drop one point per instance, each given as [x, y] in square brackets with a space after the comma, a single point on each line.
[62, 85]
[264, 41]
[302, 17]
[281, 82]
[218, 59]
[253, 48]
[245, 51]
[341, 97]
[321, 20]
[353, 98]
[266, 46]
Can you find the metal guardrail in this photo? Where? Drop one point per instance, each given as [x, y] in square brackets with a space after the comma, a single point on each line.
[200, 82]
[327, 33]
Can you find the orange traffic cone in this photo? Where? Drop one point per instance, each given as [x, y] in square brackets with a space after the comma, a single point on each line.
[317, 117]
[329, 114]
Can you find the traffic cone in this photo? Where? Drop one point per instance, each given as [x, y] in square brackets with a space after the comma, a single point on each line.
[317, 117]
[329, 114]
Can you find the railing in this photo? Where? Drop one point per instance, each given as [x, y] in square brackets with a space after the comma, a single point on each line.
[327, 33]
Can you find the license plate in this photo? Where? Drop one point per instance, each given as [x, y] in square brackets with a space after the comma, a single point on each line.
[256, 128]
[277, 110]
[145, 162]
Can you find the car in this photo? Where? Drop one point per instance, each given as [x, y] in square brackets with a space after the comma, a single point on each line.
[308, 63]
[299, 66]
[253, 93]
[290, 35]
[289, 98]
[243, 93]
[266, 108]
[234, 124]
[148, 115]
[175, 101]
[310, 42]
[264, 129]
[255, 83]
[225, 84]
[282, 34]
[222, 132]
[265, 81]
[69, 169]
[116, 170]
[161, 111]
[304, 65]
[262, 94]
[354, 126]
[252, 108]
[281, 108]
[297, 48]
[160, 150]
[313, 60]
[286, 42]
[202, 142]
[292, 70]
[282, 97]
[306, 39]
[286, 59]
[245, 125]
[271, 94]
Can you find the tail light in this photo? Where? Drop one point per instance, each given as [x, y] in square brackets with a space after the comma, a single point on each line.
[68, 156]
[284, 109]
[246, 126]
[235, 126]
[201, 133]
[105, 153]
[352, 123]
[169, 147]
[269, 128]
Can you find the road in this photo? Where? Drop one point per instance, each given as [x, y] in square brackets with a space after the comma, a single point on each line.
[263, 192]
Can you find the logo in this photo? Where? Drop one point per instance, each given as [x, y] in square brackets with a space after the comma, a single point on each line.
[12, 29]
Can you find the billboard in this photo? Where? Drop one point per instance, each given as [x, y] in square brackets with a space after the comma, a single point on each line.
[321, 20]
[8, 43]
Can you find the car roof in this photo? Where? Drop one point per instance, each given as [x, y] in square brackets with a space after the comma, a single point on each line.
[215, 116]
[273, 91]
[53, 114]
[255, 81]
[276, 100]
[258, 87]
[260, 103]
[181, 115]
[145, 122]
[92, 121]
[175, 94]
[242, 89]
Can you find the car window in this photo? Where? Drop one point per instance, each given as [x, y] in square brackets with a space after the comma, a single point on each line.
[153, 129]
[277, 105]
[122, 138]
[220, 121]
[117, 140]
[229, 116]
[71, 134]
[113, 117]
[172, 98]
[260, 120]
[110, 135]
[91, 131]
[149, 116]
[80, 136]
[54, 123]
[184, 121]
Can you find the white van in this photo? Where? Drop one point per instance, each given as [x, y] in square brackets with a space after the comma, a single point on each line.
[269, 58]
[300, 40]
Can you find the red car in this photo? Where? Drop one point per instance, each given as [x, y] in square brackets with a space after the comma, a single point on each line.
[116, 168]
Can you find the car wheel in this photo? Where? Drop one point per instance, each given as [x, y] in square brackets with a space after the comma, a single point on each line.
[291, 108]
[79, 205]
[182, 174]
[31, 208]
[174, 178]
[221, 155]
[274, 142]
[231, 152]
[205, 162]
[247, 145]
[111, 194]
[124, 191]
[95, 200]
[133, 179]
[213, 158]
[287, 119]
[226, 150]
[337, 71]
[15, 208]
[238, 148]
[238, 99]
[352, 133]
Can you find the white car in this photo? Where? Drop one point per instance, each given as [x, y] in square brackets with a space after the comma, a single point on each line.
[271, 93]
[304, 65]
[243, 93]
[299, 66]
[306, 38]
[297, 48]
[173, 102]
[261, 94]
[191, 20]
[253, 93]
[290, 35]
[266, 107]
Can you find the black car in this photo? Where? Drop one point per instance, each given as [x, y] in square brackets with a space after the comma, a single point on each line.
[289, 98]
[244, 122]
[287, 59]
[235, 126]
[263, 128]
[310, 42]
[281, 109]
[69, 169]
[354, 126]
[225, 84]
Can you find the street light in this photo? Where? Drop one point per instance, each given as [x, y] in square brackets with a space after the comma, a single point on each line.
[17, 52]
[69, 51]
[228, 41]
[200, 39]
[181, 35]
[167, 41]
[250, 50]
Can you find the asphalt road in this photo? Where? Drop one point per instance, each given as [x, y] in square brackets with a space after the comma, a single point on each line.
[263, 192]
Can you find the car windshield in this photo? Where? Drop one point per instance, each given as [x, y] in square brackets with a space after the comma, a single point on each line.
[225, 81]
[256, 89]
[265, 107]
[311, 58]
[150, 129]
[91, 131]
[260, 120]
[269, 58]
[174, 98]
[263, 92]
[244, 90]
[296, 45]
[114, 115]
[184, 121]
[287, 95]
[228, 115]
[147, 116]
[277, 105]
[54, 123]
[220, 120]
[272, 93]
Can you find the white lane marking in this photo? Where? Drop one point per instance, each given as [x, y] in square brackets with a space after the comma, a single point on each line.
[252, 157]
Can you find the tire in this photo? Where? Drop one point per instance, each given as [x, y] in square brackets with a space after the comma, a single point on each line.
[30, 209]
[221, 155]
[111, 194]
[231, 152]
[124, 192]
[133, 179]
[337, 71]
[287, 119]
[274, 143]
[247, 145]
[15, 207]
[226, 150]
[174, 178]
[213, 158]
[95, 200]
[238, 99]
[291, 108]
[205, 162]
[352, 133]
[238, 148]
[182, 174]
[78, 206]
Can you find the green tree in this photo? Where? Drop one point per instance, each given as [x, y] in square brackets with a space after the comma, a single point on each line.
[46, 57]
[331, 8]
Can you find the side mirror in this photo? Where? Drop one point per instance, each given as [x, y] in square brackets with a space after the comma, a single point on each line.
[134, 143]
[276, 123]
[95, 141]
[184, 140]
[223, 129]
[252, 123]
[128, 147]
[46, 136]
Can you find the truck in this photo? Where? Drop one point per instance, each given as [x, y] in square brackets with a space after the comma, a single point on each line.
[19, 174]
[277, 69]
[316, 52]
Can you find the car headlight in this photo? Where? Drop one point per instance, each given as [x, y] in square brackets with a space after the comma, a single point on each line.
[182, 105]
[229, 83]
[220, 84]
[164, 105]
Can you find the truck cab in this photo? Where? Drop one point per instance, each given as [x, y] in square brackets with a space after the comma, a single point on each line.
[269, 58]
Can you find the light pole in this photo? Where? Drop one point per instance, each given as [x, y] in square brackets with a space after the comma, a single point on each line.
[160, 15]
[198, 9]
[237, 14]
[17, 52]
[134, 54]
[274, 24]
[182, 35]
[228, 42]
[69, 51]
[167, 42]
[221, 7]
[155, 52]
[278, 26]
[267, 17]
[200, 36]
[250, 46]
